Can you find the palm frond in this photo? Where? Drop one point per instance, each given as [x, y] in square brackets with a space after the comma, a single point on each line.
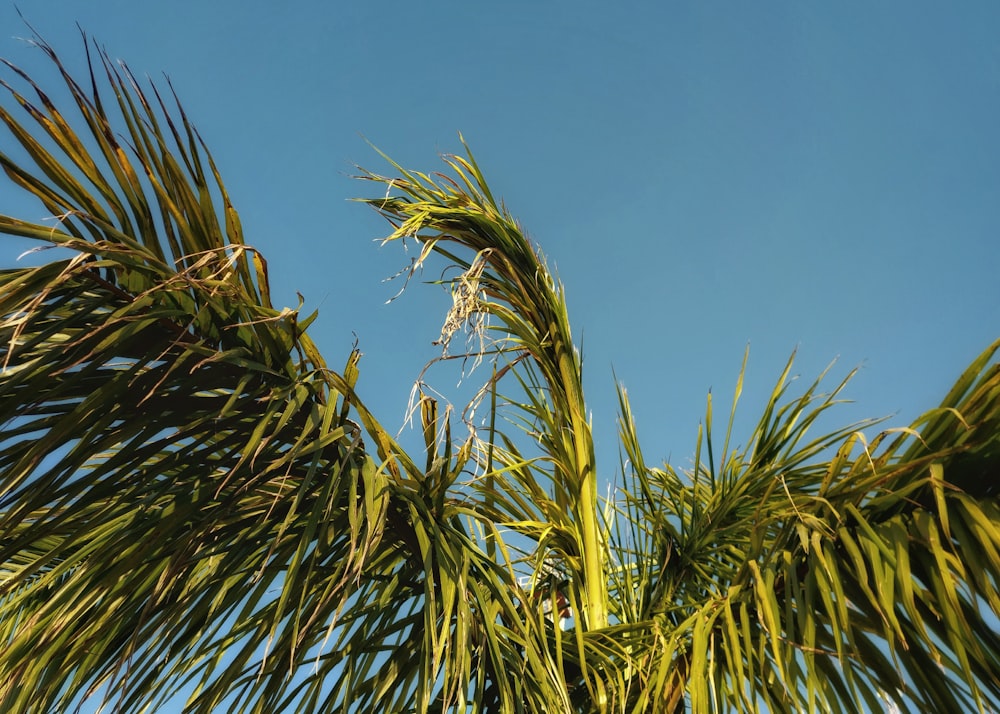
[194, 506]
[796, 573]
[505, 278]
[803, 582]
[187, 508]
[178, 475]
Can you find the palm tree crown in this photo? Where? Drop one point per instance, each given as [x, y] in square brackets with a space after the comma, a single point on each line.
[195, 507]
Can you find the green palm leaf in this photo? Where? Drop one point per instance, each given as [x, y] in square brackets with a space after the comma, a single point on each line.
[766, 578]
[179, 478]
[194, 507]
[805, 583]
[186, 507]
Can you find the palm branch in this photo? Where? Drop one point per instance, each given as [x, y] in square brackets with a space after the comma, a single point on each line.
[194, 506]
[771, 577]
[186, 507]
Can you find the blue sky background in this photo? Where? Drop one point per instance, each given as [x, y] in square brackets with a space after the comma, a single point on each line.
[702, 175]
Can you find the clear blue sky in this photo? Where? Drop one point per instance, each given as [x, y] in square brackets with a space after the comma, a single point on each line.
[703, 175]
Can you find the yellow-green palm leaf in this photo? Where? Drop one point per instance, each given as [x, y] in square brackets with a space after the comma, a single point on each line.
[196, 511]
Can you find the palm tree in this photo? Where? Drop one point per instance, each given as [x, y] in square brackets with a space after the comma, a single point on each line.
[194, 507]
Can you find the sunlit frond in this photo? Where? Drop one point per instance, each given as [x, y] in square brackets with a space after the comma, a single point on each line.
[178, 476]
[195, 508]
[803, 582]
